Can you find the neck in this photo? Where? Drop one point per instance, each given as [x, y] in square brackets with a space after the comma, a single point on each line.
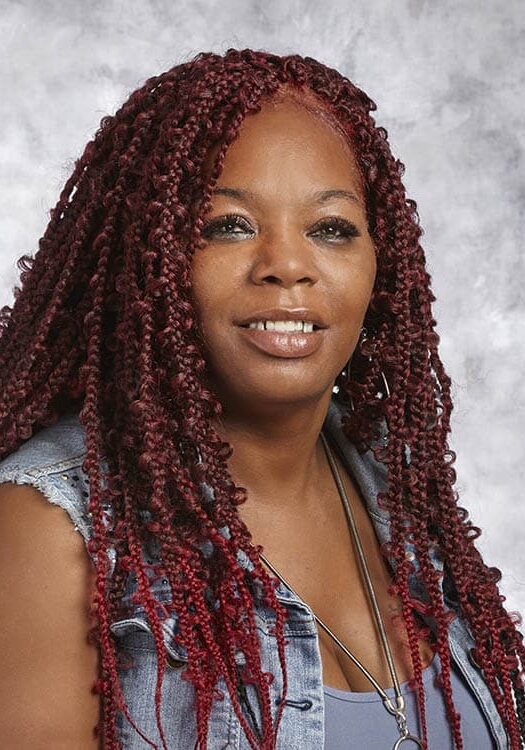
[279, 460]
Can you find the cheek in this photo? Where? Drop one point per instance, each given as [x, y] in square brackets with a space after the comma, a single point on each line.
[353, 285]
[214, 288]
[205, 282]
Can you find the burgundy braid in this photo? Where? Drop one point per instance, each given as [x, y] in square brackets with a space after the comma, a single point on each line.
[104, 325]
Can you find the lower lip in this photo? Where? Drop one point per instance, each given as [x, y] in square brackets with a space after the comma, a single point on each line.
[281, 344]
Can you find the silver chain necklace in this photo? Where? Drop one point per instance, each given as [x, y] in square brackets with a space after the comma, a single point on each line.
[397, 709]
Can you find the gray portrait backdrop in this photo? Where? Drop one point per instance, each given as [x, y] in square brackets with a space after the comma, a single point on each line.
[448, 81]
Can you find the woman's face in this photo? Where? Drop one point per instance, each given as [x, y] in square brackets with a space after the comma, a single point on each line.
[286, 240]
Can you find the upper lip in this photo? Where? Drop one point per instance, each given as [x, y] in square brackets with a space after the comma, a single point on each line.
[283, 313]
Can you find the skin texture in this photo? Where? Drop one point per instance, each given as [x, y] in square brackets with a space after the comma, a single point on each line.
[46, 663]
[274, 407]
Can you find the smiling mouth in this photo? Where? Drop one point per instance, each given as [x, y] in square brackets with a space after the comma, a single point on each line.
[299, 326]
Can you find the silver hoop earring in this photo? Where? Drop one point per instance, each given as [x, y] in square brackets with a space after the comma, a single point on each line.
[362, 339]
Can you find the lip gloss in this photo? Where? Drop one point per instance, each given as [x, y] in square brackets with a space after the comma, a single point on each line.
[283, 343]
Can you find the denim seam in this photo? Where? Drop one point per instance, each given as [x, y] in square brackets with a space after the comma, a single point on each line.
[58, 466]
[381, 519]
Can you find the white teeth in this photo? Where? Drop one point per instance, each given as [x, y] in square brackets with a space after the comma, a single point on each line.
[285, 326]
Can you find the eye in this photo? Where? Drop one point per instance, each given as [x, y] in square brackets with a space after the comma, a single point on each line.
[334, 228]
[227, 226]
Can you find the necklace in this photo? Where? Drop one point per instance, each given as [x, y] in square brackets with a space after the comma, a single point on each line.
[397, 709]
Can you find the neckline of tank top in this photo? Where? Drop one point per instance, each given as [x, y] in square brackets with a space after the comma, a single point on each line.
[371, 696]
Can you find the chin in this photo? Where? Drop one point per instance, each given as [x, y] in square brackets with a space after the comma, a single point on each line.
[283, 391]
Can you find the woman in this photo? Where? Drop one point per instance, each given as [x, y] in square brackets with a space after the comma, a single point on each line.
[222, 365]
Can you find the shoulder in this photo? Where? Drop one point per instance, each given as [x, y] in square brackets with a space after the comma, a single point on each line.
[51, 462]
[47, 578]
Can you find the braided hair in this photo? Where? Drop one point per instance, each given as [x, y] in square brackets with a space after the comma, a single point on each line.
[104, 323]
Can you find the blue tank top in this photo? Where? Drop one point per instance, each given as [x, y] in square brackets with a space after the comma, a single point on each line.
[359, 719]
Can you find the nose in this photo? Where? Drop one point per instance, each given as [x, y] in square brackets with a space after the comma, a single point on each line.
[285, 261]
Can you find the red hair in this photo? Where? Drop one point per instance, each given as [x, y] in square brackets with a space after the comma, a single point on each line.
[104, 324]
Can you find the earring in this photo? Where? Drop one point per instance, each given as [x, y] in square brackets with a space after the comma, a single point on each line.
[361, 341]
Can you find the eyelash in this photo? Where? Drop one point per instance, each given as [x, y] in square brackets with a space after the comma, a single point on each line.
[346, 228]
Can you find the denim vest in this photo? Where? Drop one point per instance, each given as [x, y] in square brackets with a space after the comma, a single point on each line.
[51, 461]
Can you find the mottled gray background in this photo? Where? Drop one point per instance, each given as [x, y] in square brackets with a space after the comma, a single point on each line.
[448, 80]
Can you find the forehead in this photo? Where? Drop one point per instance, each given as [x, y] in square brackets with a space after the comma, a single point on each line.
[287, 144]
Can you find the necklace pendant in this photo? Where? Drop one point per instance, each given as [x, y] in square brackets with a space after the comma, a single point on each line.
[408, 738]
[401, 719]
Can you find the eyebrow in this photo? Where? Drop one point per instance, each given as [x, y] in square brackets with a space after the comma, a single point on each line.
[320, 196]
